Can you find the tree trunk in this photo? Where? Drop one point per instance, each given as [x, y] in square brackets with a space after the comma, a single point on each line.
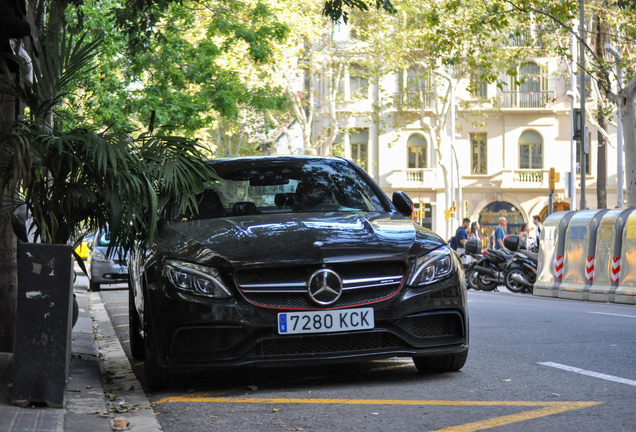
[627, 99]
[601, 166]
[8, 246]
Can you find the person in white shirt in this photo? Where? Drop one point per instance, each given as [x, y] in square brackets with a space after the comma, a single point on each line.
[536, 220]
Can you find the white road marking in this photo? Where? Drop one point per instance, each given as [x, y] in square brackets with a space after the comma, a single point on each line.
[590, 373]
[604, 313]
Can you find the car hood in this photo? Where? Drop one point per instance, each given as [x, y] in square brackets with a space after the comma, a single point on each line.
[296, 238]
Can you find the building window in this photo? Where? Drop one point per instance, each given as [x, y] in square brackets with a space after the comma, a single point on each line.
[358, 82]
[479, 87]
[413, 88]
[417, 152]
[479, 146]
[530, 150]
[529, 89]
[360, 147]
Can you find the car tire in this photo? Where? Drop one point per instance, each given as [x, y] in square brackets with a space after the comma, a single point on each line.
[471, 277]
[485, 285]
[440, 363]
[94, 286]
[137, 348]
[513, 286]
[157, 377]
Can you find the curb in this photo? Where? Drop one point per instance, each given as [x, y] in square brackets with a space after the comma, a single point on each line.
[115, 367]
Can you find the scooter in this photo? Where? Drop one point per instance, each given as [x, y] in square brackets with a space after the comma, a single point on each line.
[522, 276]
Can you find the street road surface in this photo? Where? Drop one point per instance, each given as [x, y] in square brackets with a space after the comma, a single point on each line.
[535, 364]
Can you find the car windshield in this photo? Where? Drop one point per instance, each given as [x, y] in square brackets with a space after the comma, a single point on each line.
[282, 185]
[103, 238]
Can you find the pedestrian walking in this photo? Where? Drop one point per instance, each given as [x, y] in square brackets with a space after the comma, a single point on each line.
[524, 235]
[500, 233]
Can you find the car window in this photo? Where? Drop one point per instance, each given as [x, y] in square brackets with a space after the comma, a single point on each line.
[103, 239]
[262, 186]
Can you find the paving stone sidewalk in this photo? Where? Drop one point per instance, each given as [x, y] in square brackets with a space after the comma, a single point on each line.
[84, 406]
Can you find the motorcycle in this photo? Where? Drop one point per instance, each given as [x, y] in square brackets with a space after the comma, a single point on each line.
[521, 276]
[472, 249]
[516, 269]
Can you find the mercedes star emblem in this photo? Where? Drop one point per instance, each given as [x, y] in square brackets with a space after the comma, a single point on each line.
[325, 287]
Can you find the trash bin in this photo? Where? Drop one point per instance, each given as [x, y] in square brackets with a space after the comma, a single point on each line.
[43, 324]
[579, 259]
[609, 240]
[551, 246]
[626, 291]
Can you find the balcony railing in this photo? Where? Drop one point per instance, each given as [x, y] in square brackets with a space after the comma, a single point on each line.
[532, 99]
[413, 177]
[411, 100]
[524, 178]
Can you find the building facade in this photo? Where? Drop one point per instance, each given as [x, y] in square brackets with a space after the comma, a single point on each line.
[507, 138]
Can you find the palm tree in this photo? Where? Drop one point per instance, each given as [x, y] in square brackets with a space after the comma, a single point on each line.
[78, 179]
[75, 180]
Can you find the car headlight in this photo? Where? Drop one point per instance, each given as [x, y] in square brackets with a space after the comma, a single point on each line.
[196, 279]
[432, 267]
[99, 256]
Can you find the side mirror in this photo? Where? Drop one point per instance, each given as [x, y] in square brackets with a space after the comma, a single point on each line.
[403, 203]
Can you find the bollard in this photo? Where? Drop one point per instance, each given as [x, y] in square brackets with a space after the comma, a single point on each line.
[551, 251]
[609, 239]
[626, 291]
[43, 324]
[579, 261]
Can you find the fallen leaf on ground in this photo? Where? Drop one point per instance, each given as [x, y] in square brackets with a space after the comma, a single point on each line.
[275, 409]
[506, 380]
[121, 425]
[89, 387]
[213, 416]
[252, 387]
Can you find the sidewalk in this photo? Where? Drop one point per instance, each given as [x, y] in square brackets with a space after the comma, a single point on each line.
[84, 406]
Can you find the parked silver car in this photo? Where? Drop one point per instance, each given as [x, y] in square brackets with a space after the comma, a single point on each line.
[103, 269]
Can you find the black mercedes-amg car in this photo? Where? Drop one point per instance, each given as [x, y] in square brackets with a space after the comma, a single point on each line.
[294, 260]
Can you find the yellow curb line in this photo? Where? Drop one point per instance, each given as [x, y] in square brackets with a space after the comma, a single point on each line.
[549, 408]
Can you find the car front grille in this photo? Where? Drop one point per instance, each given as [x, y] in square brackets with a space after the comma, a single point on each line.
[286, 287]
[324, 344]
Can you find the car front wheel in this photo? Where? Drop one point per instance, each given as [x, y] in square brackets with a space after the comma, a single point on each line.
[94, 286]
[157, 377]
[441, 363]
[136, 341]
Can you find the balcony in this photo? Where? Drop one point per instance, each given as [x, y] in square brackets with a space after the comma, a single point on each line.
[531, 99]
[413, 178]
[524, 179]
[411, 101]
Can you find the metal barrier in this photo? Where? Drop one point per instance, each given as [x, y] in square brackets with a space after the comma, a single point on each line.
[551, 247]
[609, 240]
[579, 259]
[626, 291]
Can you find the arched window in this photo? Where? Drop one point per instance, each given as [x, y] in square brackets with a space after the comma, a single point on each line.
[417, 151]
[530, 150]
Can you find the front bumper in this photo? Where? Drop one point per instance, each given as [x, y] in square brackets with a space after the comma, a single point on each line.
[199, 333]
[107, 272]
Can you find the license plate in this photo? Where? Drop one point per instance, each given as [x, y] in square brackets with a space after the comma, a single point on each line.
[325, 321]
[123, 270]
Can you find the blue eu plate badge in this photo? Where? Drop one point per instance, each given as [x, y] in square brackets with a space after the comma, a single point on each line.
[282, 323]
